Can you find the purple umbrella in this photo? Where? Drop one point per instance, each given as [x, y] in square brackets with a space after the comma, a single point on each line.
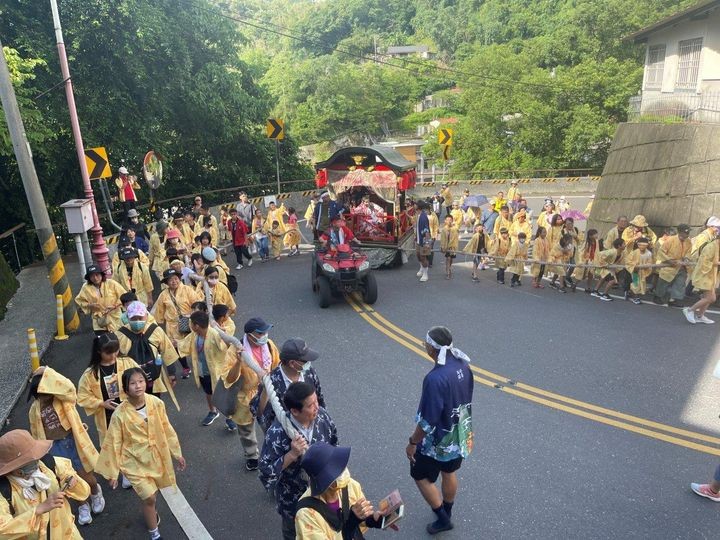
[576, 215]
[474, 201]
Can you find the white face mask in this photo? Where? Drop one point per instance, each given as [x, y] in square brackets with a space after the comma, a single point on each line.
[521, 241]
[343, 480]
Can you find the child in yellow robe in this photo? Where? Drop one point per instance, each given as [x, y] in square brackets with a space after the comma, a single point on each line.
[276, 234]
[560, 254]
[477, 246]
[141, 444]
[516, 257]
[705, 274]
[133, 275]
[219, 292]
[640, 256]
[608, 276]
[541, 252]
[588, 255]
[499, 248]
[100, 298]
[449, 241]
[44, 511]
[292, 237]
[53, 416]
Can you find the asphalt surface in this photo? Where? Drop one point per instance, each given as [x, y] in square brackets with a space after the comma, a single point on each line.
[536, 471]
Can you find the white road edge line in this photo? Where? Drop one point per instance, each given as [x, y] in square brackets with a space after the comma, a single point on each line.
[184, 514]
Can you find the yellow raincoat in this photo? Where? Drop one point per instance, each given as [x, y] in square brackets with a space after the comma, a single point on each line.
[499, 248]
[220, 295]
[90, 396]
[673, 249]
[141, 280]
[142, 450]
[612, 235]
[520, 226]
[215, 349]
[276, 215]
[434, 224]
[156, 256]
[161, 343]
[189, 233]
[166, 313]
[629, 237]
[108, 295]
[276, 240]
[501, 222]
[64, 398]
[458, 217]
[449, 239]
[141, 257]
[585, 258]
[606, 257]
[519, 252]
[310, 525]
[542, 220]
[705, 274]
[554, 235]
[27, 525]
[559, 255]
[250, 382]
[541, 252]
[471, 246]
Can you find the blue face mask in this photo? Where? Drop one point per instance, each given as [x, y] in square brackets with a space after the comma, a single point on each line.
[262, 340]
[124, 318]
[137, 326]
[305, 368]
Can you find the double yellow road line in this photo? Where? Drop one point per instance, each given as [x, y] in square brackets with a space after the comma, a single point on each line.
[655, 430]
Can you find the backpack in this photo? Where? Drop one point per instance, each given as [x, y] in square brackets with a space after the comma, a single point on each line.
[339, 521]
[141, 350]
[232, 284]
[6, 488]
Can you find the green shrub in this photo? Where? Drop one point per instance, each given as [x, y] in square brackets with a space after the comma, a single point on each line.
[8, 285]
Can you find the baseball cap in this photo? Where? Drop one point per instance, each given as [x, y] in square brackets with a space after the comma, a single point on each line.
[170, 272]
[136, 309]
[683, 228]
[122, 170]
[297, 349]
[127, 253]
[256, 324]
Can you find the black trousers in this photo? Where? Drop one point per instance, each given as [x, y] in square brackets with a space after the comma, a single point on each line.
[240, 251]
[500, 274]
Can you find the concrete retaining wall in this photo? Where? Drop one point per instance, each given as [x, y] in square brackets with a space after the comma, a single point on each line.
[668, 173]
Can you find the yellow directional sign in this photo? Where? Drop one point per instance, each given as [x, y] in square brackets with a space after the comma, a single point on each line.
[275, 129]
[97, 163]
[445, 136]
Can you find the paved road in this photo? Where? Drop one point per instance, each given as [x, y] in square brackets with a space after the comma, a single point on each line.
[544, 466]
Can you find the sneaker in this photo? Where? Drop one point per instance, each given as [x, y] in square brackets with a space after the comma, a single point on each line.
[84, 516]
[704, 491]
[124, 482]
[704, 320]
[501, 281]
[186, 373]
[419, 272]
[475, 279]
[636, 301]
[239, 267]
[605, 297]
[596, 294]
[626, 295]
[562, 290]
[689, 315]
[251, 465]
[210, 418]
[230, 425]
[97, 501]
[424, 278]
[554, 285]
[249, 263]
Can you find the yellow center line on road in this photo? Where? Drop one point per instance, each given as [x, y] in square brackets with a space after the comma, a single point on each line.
[613, 418]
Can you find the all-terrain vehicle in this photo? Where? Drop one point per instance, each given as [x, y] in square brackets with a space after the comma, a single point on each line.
[342, 271]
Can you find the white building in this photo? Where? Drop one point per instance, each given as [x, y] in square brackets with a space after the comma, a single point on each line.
[404, 51]
[682, 65]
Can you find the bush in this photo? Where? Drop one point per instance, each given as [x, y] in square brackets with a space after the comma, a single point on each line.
[8, 285]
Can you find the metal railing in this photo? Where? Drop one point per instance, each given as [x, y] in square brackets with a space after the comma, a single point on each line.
[676, 107]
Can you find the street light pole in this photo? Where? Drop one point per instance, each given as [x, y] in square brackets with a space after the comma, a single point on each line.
[99, 249]
[277, 163]
[36, 201]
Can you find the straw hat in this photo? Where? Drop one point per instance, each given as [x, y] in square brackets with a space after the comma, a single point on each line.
[639, 221]
[17, 448]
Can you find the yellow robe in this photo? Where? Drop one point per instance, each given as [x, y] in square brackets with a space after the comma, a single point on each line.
[228, 327]
[250, 382]
[161, 343]
[705, 274]
[633, 259]
[449, 239]
[108, 295]
[607, 257]
[276, 215]
[156, 256]
[310, 525]
[220, 295]
[541, 252]
[520, 226]
[447, 195]
[542, 220]
[673, 249]
[584, 258]
[141, 280]
[434, 224]
[471, 246]
[215, 349]
[511, 193]
[141, 257]
[90, 396]
[629, 233]
[309, 212]
[142, 451]
[612, 235]
[276, 241]
[166, 313]
[558, 255]
[64, 399]
[519, 253]
[27, 525]
[501, 222]
[554, 235]
[458, 217]
[500, 248]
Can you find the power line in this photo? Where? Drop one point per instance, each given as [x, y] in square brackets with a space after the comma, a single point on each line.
[288, 33]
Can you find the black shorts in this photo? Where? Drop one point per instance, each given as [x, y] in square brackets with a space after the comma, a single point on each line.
[427, 468]
[450, 255]
[206, 384]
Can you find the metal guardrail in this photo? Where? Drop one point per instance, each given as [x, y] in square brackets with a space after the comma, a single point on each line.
[676, 107]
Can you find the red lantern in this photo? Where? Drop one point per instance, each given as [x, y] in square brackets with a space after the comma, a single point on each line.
[321, 178]
[404, 182]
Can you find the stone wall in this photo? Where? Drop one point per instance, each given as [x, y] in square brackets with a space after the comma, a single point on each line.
[668, 173]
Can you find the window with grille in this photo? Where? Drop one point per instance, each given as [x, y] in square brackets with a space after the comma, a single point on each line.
[654, 67]
[689, 63]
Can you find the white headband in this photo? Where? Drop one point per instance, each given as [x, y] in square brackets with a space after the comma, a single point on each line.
[457, 353]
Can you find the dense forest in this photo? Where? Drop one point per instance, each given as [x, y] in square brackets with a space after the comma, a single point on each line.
[532, 83]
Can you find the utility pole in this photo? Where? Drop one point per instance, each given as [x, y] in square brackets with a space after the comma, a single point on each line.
[99, 249]
[41, 219]
[277, 163]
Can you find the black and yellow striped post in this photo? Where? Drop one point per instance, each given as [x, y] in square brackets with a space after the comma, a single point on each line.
[58, 278]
